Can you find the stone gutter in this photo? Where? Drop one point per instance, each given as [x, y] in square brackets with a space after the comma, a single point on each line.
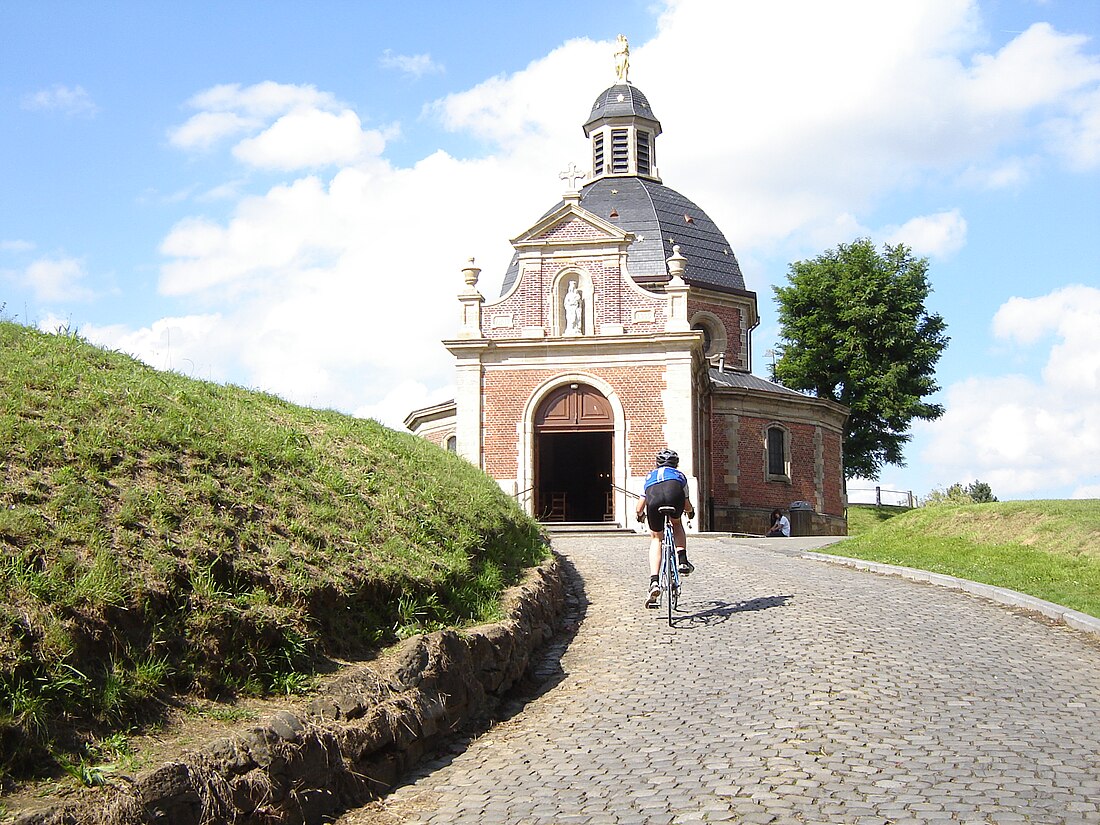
[354, 740]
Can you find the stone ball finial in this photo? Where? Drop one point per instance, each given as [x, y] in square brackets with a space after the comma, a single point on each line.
[470, 273]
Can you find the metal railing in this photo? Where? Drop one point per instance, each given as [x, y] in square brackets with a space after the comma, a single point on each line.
[880, 497]
[624, 490]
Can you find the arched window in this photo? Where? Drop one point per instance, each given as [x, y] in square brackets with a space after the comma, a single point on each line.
[777, 446]
[714, 333]
[452, 444]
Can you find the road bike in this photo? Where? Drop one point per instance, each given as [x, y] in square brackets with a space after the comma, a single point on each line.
[668, 575]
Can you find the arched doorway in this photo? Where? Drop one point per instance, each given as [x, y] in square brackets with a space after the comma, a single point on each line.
[574, 435]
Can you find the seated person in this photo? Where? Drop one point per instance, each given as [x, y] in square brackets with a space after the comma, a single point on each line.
[781, 526]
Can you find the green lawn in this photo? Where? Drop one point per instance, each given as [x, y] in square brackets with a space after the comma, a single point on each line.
[1047, 549]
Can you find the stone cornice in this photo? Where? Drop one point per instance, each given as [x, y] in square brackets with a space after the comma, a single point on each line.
[759, 404]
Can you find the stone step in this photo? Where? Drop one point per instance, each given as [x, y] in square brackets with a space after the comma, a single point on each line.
[592, 527]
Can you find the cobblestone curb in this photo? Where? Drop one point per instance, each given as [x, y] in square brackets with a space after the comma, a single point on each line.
[352, 742]
[1072, 618]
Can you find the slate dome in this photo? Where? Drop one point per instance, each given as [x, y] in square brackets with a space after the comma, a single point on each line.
[657, 215]
[620, 100]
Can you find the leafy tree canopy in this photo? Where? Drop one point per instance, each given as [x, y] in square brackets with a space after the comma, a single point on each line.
[854, 329]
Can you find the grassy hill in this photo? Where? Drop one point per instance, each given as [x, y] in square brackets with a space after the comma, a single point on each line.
[1047, 549]
[164, 538]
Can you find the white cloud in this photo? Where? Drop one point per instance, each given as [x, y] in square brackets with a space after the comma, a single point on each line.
[194, 345]
[940, 235]
[262, 101]
[1022, 435]
[407, 396]
[56, 279]
[310, 138]
[64, 99]
[278, 127]
[1008, 81]
[16, 245]
[1077, 137]
[416, 65]
[1072, 315]
[1086, 491]
[785, 121]
[802, 111]
[1002, 173]
[205, 129]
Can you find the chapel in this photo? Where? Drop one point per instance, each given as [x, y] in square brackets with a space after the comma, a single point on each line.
[624, 326]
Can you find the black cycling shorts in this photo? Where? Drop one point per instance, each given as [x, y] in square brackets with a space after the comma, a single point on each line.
[668, 493]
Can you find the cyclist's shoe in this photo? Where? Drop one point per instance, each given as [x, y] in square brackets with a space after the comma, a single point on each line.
[654, 599]
[686, 567]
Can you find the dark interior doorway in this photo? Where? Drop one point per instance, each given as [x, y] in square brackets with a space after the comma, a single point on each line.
[575, 428]
[574, 475]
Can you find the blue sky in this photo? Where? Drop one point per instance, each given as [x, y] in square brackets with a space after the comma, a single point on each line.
[282, 195]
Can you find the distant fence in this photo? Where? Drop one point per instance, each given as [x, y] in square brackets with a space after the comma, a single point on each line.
[880, 497]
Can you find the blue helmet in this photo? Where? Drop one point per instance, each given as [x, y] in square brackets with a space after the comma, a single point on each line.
[668, 458]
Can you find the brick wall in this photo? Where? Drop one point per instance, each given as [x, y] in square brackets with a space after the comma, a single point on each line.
[833, 455]
[507, 393]
[731, 320]
[608, 299]
[740, 492]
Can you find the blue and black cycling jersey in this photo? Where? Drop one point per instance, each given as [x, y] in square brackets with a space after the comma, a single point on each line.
[665, 474]
[664, 487]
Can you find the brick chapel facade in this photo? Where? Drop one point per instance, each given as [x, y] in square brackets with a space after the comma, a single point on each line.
[624, 326]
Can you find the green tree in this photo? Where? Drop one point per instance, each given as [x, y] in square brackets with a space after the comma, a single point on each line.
[980, 492]
[854, 329]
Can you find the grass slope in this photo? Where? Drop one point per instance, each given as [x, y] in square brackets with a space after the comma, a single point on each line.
[164, 537]
[1047, 549]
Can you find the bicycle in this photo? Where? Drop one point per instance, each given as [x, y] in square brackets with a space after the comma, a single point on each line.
[668, 575]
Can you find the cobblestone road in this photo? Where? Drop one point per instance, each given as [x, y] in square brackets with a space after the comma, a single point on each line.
[790, 691]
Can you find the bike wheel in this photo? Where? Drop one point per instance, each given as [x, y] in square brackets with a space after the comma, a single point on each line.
[673, 593]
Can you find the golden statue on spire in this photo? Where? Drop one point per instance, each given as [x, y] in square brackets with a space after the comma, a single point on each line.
[622, 60]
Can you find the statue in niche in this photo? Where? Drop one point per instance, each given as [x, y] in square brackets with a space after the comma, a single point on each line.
[574, 306]
[622, 60]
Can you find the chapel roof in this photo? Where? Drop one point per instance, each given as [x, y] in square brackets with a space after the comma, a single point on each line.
[748, 381]
[620, 100]
[659, 217]
[625, 190]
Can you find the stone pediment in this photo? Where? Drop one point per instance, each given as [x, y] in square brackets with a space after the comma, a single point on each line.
[570, 225]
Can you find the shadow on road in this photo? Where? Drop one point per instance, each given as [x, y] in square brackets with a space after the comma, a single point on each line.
[717, 612]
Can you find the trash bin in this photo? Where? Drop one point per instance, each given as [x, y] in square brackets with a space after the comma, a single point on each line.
[802, 518]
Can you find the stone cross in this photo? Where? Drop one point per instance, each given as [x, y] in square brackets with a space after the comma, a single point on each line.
[572, 174]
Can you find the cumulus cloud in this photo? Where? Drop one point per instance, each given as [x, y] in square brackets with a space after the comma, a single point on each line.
[205, 129]
[940, 235]
[414, 65]
[547, 99]
[1076, 137]
[278, 127]
[1020, 434]
[194, 345]
[64, 99]
[797, 112]
[310, 138]
[56, 279]
[783, 120]
[1007, 81]
[407, 396]
[1072, 316]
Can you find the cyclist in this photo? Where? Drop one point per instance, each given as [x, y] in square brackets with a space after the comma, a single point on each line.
[666, 486]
